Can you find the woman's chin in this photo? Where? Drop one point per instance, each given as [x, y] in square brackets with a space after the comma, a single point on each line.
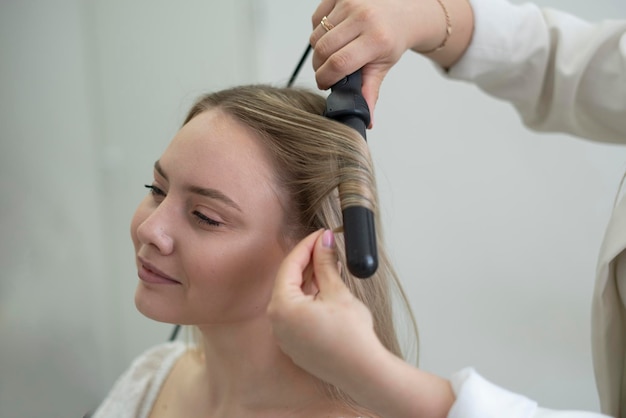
[150, 306]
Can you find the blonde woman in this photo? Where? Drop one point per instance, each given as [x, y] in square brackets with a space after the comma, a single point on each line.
[252, 171]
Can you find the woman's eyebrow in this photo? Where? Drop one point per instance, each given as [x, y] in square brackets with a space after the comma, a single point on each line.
[202, 191]
[159, 169]
[213, 194]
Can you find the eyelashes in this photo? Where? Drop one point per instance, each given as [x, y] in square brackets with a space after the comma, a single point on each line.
[202, 219]
[154, 190]
[199, 217]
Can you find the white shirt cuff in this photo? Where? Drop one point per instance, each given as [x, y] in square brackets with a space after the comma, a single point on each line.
[476, 397]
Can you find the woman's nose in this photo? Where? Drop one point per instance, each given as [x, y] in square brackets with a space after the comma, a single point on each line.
[155, 230]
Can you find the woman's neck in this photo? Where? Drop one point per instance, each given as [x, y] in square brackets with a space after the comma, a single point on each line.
[244, 370]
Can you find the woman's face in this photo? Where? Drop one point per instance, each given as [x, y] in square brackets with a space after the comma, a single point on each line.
[208, 237]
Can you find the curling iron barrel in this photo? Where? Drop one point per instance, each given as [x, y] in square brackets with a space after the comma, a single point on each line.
[347, 105]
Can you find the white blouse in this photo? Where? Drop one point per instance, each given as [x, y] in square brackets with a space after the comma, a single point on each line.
[562, 74]
[134, 393]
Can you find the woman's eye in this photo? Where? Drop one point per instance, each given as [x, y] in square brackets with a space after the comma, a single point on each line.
[205, 220]
[155, 191]
[158, 193]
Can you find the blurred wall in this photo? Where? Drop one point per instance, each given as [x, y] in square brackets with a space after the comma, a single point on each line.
[90, 95]
[494, 229]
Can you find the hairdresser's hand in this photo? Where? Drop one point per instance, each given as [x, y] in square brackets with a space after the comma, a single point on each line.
[373, 35]
[328, 333]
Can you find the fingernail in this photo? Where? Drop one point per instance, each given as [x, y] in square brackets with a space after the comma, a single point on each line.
[328, 239]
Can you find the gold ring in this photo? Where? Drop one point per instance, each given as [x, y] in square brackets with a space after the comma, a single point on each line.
[326, 24]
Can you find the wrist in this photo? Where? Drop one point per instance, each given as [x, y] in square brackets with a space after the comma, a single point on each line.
[447, 35]
[366, 372]
[389, 386]
[435, 29]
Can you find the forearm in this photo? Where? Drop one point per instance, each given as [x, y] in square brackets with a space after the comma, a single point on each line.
[393, 388]
[560, 72]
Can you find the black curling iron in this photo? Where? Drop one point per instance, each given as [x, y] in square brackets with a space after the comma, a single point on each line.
[347, 105]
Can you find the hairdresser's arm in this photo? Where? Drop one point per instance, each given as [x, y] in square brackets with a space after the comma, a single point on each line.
[373, 35]
[330, 334]
[560, 72]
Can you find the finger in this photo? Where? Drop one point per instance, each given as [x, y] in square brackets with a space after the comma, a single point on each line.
[309, 287]
[325, 264]
[291, 271]
[353, 56]
[372, 80]
[323, 9]
[334, 20]
[317, 34]
[326, 43]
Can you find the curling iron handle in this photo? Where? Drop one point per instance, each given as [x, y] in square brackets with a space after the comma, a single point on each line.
[347, 105]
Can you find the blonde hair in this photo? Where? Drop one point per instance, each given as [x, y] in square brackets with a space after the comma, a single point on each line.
[323, 166]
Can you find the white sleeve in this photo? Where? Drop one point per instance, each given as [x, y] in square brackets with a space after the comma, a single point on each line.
[478, 398]
[561, 73]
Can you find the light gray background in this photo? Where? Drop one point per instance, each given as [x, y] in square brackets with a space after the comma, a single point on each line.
[494, 229]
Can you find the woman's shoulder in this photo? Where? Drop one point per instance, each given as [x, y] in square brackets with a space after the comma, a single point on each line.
[136, 389]
[155, 359]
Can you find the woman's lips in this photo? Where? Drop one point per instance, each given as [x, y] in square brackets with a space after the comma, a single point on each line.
[150, 274]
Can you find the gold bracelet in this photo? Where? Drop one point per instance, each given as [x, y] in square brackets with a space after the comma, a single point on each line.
[448, 30]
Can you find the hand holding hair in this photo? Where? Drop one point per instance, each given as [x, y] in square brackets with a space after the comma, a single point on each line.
[323, 327]
[373, 35]
[329, 333]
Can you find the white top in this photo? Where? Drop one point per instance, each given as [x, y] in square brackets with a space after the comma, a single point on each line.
[478, 398]
[562, 74]
[135, 391]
